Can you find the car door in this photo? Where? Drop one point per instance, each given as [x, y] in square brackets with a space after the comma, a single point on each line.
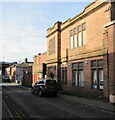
[36, 86]
[39, 85]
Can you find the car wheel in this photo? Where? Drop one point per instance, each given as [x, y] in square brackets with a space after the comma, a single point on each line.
[32, 91]
[40, 93]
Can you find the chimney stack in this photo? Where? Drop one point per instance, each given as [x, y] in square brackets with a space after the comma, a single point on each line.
[26, 60]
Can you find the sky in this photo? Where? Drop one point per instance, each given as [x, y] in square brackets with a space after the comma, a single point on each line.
[23, 26]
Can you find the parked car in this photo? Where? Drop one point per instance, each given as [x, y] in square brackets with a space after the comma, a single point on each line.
[5, 79]
[45, 86]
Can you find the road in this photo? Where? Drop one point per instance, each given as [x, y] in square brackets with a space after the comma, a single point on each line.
[18, 102]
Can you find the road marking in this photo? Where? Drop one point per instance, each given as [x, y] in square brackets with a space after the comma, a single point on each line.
[19, 114]
[8, 109]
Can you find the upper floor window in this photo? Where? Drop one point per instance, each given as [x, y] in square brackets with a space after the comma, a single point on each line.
[52, 46]
[78, 36]
[74, 30]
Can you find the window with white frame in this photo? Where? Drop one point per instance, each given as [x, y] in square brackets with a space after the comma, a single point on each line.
[78, 36]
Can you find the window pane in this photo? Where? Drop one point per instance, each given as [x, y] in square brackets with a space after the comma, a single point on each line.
[74, 66]
[71, 42]
[80, 65]
[84, 37]
[100, 63]
[79, 28]
[81, 83]
[70, 32]
[79, 39]
[74, 30]
[50, 81]
[100, 78]
[84, 26]
[64, 76]
[94, 78]
[74, 77]
[93, 63]
[75, 40]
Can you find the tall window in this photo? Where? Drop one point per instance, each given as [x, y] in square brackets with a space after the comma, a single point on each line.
[77, 74]
[97, 74]
[52, 46]
[64, 75]
[73, 38]
[81, 35]
[78, 36]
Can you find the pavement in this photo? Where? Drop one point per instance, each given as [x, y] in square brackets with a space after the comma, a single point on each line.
[104, 105]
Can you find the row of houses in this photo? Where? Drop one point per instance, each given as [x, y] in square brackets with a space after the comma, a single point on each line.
[20, 73]
[81, 53]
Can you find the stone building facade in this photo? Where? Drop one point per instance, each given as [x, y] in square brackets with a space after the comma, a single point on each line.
[81, 52]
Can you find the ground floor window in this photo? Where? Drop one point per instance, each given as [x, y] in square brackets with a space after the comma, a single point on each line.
[77, 74]
[64, 75]
[51, 71]
[97, 74]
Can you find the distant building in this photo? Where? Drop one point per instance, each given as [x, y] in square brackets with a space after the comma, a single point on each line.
[20, 71]
[3, 66]
[10, 71]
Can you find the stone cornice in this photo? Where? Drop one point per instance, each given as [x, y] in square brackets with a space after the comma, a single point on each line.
[81, 16]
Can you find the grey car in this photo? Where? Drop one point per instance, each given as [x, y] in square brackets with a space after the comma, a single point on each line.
[45, 86]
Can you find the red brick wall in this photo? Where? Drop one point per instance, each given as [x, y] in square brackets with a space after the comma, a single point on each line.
[27, 80]
[111, 54]
[38, 65]
[95, 48]
[94, 33]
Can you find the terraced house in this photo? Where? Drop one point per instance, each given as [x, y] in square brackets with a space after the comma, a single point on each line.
[81, 52]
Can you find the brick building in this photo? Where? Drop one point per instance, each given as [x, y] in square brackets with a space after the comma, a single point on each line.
[81, 52]
[20, 73]
[39, 66]
[11, 71]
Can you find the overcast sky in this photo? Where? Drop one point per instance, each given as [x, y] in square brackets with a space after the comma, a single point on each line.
[24, 26]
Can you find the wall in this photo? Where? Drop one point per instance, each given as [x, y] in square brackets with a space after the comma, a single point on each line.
[95, 16]
[27, 79]
[38, 66]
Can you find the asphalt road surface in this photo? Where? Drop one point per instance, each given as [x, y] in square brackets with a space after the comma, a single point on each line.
[18, 102]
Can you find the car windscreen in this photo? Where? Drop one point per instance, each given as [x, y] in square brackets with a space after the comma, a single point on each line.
[51, 82]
